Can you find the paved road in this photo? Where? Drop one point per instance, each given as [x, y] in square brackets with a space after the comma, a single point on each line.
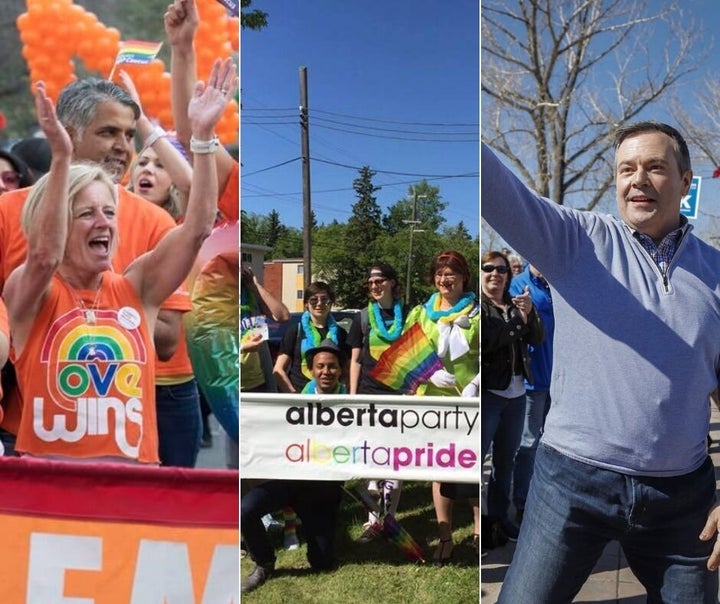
[611, 582]
[214, 457]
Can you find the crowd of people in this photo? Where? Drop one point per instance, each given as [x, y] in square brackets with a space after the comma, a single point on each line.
[94, 273]
[320, 357]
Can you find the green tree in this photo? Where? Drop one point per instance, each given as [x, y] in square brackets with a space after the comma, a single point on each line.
[363, 229]
[289, 244]
[254, 19]
[275, 228]
[428, 209]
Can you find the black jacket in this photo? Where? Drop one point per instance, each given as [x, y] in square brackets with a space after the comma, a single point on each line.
[504, 339]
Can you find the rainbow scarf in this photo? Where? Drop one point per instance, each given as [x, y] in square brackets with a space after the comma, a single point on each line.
[408, 362]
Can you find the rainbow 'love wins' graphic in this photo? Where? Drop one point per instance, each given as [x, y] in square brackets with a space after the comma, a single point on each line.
[98, 360]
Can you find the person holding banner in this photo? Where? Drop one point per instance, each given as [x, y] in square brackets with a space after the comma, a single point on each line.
[381, 324]
[450, 319]
[316, 502]
[316, 324]
[82, 334]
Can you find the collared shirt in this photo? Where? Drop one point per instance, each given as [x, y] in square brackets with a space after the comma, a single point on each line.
[662, 253]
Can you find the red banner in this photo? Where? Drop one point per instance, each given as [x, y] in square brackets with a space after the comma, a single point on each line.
[114, 533]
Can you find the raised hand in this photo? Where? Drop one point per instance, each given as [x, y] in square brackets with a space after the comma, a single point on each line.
[58, 138]
[181, 22]
[129, 85]
[209, 100]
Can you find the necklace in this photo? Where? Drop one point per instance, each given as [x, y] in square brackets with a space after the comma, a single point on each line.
[461, 307]
[312, 338]
[88, 313]
[378, 324]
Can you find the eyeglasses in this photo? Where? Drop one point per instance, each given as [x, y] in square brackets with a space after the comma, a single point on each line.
[489, 268]
[315, 300]
[10, 178]
[376, 282]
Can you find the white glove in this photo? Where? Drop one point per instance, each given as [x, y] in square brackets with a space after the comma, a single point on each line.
[473, 388]
[442, 379]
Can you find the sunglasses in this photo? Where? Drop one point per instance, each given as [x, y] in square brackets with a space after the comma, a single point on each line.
[315, 300]
[376, 282]
[489, 268]
[10, 178]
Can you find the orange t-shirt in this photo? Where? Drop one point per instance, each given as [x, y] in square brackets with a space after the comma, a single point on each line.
[141, 225]
[228, 202]
[88, 377]
[178, 368]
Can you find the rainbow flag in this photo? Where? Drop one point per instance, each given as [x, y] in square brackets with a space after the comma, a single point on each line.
[396, 533]
[137, 52]
[408, 362]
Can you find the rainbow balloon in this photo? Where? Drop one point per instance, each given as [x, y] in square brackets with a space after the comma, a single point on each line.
[212, 329]
[408, 362]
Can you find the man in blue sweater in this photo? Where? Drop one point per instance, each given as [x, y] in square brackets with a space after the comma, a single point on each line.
[636, 356]
[537, 392]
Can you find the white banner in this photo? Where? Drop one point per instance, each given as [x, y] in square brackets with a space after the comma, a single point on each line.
[359, 436]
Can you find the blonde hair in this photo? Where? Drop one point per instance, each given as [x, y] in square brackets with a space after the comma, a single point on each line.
[171, 204]
[80, 175]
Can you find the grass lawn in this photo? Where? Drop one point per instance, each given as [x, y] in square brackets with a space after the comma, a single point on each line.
[378, 571]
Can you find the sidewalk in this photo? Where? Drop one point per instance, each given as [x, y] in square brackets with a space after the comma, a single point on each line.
[611, 581]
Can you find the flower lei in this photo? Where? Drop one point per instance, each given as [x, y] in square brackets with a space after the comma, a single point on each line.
[311, 388]
[378, 324]
[312, 338]
[462, 307]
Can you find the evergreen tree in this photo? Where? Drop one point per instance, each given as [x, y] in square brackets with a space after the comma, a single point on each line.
[363, 229]
[275, 228]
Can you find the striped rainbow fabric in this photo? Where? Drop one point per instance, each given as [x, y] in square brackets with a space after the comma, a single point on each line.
[137, 52]
[408, 362]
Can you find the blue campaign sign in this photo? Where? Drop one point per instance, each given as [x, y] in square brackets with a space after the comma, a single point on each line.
[690, 203]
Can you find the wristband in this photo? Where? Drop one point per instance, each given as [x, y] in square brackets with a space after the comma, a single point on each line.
[156, 134]
[199, 146]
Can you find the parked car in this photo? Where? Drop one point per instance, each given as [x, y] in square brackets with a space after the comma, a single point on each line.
[277, 330]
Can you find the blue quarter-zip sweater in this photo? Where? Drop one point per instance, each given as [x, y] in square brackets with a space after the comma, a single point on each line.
[635, 357]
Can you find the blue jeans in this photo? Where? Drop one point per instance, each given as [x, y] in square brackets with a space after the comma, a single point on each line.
[179, 423]
[536, 408]
[574, 509]
[501, 425]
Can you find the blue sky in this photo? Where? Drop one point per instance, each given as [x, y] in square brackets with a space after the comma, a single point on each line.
[392, 69]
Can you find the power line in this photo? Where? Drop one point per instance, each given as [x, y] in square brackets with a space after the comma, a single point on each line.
[426, 176]
[289, 161]
[250, 110]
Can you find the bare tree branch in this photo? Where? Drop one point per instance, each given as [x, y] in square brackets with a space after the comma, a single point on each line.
[560, 76]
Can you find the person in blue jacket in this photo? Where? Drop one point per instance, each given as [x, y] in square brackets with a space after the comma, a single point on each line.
[537, 391]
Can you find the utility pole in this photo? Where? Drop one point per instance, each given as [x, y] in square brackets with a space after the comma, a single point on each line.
[305, 153]
[412, 222]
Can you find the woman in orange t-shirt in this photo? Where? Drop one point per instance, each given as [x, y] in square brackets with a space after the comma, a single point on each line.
[81, 334]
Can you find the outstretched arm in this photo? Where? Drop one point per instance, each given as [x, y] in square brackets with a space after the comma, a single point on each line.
[153, 136]
[181, 23]
[157, 274]
[47, 233]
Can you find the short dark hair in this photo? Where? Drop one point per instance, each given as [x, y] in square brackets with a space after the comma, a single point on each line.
[456, 262]
[317, 287]
[681, 149]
